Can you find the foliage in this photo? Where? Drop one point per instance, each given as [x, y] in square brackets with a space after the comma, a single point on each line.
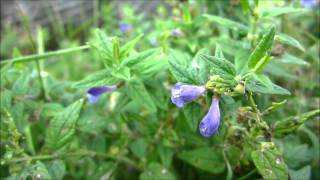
[259, 58]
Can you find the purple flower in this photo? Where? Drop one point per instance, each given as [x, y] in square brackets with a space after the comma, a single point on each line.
[210, 123]
[177, 32]
[183, 93]
[309, 3]
[94, 93]
[124, 27]
[154, 41]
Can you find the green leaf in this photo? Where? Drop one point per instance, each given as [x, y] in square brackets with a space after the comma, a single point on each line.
[207, 159]
[57, 169]
[147, 62]
[40, 171]
[262, 84]
[62, 126]
[288, 40]
[129, 46]
[261, 64]
[138, 93]
[166, 155]
[141, 57]
[5, 99]
[245, 6]
[116, 50]
[155, 171]
[180, 67]
[21, 85]
[138, 148]
[241, 61]
[192, 114]
[100, 78]
[104, 46]
[218, 53]
[121, 72]
[269, 162]
[220, 66]
[290, 59]
[263, 47]
[277, 11]
[227, 23]
[303, 173]
[290, 124]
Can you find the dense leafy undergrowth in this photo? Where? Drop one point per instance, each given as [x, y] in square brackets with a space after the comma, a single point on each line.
[194, 90]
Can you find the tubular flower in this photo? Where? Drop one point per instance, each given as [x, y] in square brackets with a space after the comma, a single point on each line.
[94, 93]
[177, 32]
[183, 93]
[210, 123]
[124, 27]
[309, 3]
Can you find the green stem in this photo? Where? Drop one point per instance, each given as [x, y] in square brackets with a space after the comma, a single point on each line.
[254, 106]
[248, 175]
[26, 25]
[230, 173]
[119, 158]
[43, 56]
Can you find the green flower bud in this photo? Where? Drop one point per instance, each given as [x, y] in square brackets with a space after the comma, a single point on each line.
[240, 89]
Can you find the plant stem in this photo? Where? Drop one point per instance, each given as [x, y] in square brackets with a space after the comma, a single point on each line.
[248, 175]
[26, 25]
[43, 56]
[83, 153]
[254, 106]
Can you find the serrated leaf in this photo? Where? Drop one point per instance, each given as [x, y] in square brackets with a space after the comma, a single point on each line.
[303, 173]
[192, 114]
[288, 40]
[227, 23]
[121, 72]
[241, 61]
[290, 59]
[155, 171]
[166, 155]
[150, 64]
[5, 99]
[277, 11]
[262, 84]
[62, 126]
[40, 170]
[269, 162]
[207, 159]
[220, 66]
[218, 53]
[180, 67]
[138, 148]
[290, 124]
[104, 46]
[129, 46]
[21, 85]
[138, 93]
[131, 61]
[262, 49]
[100, 78]
[57, 169]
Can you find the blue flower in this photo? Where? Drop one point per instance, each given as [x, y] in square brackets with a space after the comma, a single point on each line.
[154, 41]
[94, 93]
[210, 123]
[177, 32]
[124, 27]
[309, 3]
[183, 93]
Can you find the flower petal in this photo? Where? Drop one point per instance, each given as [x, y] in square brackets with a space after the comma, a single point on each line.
[183, 93]
[94, 93]
[210, 123]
